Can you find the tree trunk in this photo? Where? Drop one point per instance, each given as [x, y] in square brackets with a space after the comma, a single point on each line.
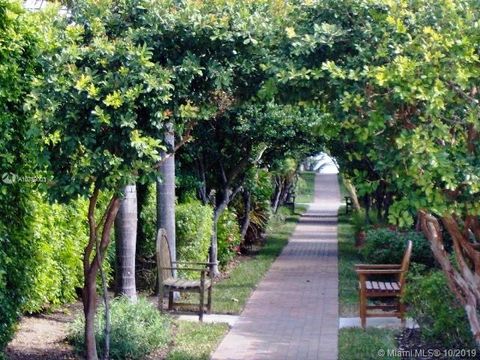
[227, 196]
[89, 309]
[246, 217]
[91, 264]
[278, 193]
[214, 243]
[166, 194]
[463, 279]
[353, 194]
[126, 239]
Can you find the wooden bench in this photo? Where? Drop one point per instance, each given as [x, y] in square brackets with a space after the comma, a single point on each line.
[167, 283]
[348, 204]
[393, 289]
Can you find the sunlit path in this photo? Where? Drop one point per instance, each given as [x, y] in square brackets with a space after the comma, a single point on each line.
[293, 314]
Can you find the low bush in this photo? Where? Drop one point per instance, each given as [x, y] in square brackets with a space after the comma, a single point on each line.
[387, 246]
[434, 307]
[228, 236]
[137, 329]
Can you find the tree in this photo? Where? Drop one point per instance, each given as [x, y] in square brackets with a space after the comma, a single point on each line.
[402, 80]
[101, 104]
[254, 135]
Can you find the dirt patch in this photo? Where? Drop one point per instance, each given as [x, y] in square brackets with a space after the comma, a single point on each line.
[40, 338]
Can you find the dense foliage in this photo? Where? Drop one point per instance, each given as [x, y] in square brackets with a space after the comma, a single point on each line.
[19, 48]
[137, 329]
[387, 246]
[228, 237]
[251, 88]
[438, 313]
[60, 235]
[194, 230]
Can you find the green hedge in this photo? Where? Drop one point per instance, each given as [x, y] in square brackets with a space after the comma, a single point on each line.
[60, 234]
[16, 261]
[228, 236]
[194, 223]
[387, 246]
[19, 48]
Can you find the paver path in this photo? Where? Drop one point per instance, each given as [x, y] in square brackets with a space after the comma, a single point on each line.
[293, 313]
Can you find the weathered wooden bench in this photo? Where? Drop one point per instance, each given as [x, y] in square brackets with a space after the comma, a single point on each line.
[167, 283]
[383, 289]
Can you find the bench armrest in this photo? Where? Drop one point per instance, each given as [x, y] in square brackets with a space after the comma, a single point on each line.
[188, 269]
[195, 263]
[378, 266]
[379, 271]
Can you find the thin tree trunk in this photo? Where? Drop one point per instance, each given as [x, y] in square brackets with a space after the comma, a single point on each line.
[227, 196]
[166, 194]
[107, 327]
[92, 266]
[126, 239]
[278, 192]
[353, 194]
[246, 218]
[89, 308]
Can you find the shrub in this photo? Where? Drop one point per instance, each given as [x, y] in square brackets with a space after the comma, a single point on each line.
[60, 235]
[384, 246]
[148, 217]
[193, 226]
[19, 50]
[228, 236]
[16, 264]
[137, 329]
[436, 310]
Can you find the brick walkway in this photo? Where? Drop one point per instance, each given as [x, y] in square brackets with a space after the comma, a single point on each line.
[293, 313]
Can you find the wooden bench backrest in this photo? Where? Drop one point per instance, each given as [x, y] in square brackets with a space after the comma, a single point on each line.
[164, 259]
[406, 262]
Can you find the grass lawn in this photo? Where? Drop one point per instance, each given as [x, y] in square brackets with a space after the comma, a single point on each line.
[305, 184]
[347, 257]
[195, 341]
[370, 344]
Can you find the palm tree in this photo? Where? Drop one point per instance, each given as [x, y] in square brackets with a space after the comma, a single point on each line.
[126, 241]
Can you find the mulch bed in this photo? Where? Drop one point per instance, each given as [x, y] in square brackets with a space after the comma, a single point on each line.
[411, 346]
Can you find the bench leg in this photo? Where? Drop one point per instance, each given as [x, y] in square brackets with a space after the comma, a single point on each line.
[170, 300]
[160, 298]
[209, 300]
[401, 308]
[202, 305]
